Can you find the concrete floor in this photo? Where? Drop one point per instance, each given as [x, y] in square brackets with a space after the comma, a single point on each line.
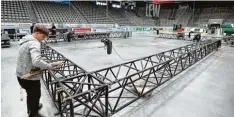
[91, 54]
[203, 90]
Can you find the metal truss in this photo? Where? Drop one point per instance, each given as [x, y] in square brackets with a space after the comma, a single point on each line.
[92, 35]
[56, 38]
[174, 35]
[89, 35]
[72, 88]
[135, 79]
[168, 35]
[81, 36]
[101, 93]
[121, 34]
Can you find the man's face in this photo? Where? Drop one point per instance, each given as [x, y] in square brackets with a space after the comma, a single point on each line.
[40, 36]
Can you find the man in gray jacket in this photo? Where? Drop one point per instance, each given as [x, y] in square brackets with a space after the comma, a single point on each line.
[29, 58]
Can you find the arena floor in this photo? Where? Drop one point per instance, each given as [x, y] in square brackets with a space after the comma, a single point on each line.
[205, 89]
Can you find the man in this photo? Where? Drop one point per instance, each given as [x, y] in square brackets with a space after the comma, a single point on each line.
[197, 39]
[31, 28]
[29, 59]
[70, 36]
[53, 32]
[53, 29]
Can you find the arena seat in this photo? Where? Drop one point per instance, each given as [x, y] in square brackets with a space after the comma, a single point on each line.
[119, 16]
[14, 12]
[48, 12]
[94, 14]
[203, 16]
[86, 12]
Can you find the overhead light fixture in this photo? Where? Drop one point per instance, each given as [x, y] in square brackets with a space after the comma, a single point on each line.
[116, 6]
[101, 3]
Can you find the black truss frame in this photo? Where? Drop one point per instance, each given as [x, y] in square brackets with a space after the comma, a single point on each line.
[104, 92]
[135, 79]
[120, 34]
[83, 36]
[92, 35]
[69, 80]
[174, 35]
[89, 35]
[168, 35]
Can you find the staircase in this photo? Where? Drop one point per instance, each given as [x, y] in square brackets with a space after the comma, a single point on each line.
[173, 14]
[183, 16]
[31, 12]
[131, 17]
[194, 19]
[80, 14]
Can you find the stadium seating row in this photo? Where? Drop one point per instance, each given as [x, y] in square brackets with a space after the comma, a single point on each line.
[84, 12]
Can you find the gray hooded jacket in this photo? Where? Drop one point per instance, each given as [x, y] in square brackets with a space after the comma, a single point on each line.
[29, 57]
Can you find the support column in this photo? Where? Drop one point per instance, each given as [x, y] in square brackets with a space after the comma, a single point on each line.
[158, 10]
[155, 10]
[146, 10]
[150, 9]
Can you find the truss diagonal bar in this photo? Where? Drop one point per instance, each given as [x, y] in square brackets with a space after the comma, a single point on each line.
[140, 82]
[101, 93]
[67, 81]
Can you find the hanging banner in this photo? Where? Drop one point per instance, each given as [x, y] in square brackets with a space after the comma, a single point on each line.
[161, 1]
[139, 28]
[15, 25]
[82, 29]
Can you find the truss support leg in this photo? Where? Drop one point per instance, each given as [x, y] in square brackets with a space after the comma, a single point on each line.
[89, 87]
[106, 102]
[71, 109]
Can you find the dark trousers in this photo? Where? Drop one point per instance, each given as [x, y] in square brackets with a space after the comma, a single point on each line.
[33, 90]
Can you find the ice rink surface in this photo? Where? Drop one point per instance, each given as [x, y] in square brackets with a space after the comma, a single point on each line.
[203, 90]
